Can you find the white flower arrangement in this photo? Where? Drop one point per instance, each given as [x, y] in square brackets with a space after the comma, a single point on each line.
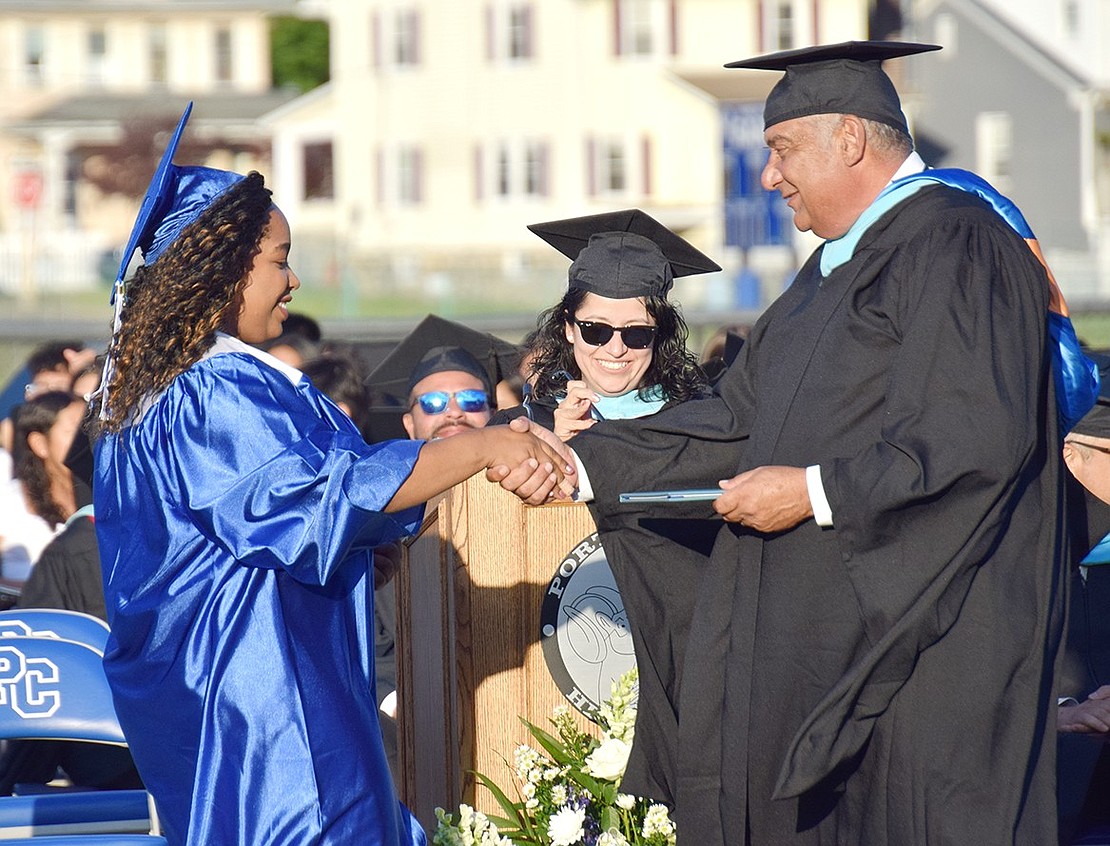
[567, 789]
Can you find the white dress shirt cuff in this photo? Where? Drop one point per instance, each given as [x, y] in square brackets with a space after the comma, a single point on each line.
[585, 492]
[822, 511]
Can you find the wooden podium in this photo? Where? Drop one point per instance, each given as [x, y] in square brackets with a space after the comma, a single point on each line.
[469, 660]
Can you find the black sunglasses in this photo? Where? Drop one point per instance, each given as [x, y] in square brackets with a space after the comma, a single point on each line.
[598, 334]
[469, 400]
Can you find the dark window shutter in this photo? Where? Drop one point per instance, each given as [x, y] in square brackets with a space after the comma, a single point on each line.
[616, 27]
[545, 167]
[376, 40]
[479, 174]
[591, 167]
[530, 31]
[672, 27]
[379, 177]
[490, 33]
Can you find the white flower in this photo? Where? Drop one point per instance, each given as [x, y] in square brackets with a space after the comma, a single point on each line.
[612, 837]
[658, 821]
[526, 763]
[565, 826]
[626, 801]
[609, 759]
[559, 794]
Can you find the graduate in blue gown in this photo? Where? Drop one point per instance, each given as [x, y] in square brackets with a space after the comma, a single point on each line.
[237, 509]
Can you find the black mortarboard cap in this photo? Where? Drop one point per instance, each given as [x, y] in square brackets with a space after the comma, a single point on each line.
[1096, 422]
[623, 254]
[437, 345]
[845, 78]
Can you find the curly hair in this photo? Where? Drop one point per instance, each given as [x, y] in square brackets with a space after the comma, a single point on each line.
[37, 415]
[175, 305]
[673, 367]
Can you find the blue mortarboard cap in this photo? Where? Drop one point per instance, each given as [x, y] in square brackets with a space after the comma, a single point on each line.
[175, 198]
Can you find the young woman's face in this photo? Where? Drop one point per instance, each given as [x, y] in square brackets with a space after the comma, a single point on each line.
[53, 445]
[612, 368]
[264, 303]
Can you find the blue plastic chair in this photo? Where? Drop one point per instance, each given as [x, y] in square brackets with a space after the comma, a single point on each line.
[55, 623]
[55, 689]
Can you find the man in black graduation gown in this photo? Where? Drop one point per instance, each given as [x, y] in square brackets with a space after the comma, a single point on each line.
[871, 654]
[1083, 715]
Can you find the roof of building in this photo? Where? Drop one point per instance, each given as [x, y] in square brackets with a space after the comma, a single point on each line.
[149, 7]
[224, 109]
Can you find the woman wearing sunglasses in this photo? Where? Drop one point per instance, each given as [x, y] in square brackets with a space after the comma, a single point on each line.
[614, 347]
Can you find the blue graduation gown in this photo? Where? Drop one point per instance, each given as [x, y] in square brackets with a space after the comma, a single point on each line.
[236, 520]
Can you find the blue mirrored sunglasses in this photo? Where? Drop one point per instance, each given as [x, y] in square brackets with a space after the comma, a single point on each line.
[436, 402]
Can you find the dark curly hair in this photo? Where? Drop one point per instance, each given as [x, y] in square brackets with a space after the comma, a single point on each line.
[38, 414]
[673, 367]
[175, 305]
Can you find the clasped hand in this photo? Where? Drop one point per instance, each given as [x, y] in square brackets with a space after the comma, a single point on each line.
[1092, 716]
[540, 477]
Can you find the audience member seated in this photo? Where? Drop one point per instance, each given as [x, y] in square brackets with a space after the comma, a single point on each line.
[722, 348]
[449, 371]
[68, 576]
[51, 366]
[341, 378]
[40, 497]
[298, 342]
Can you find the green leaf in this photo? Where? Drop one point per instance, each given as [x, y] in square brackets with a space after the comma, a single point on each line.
[515, 810]
[609, 818]
[552, 746]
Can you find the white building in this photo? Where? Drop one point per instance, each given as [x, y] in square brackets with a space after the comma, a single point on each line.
[75, 75]
[449, 125]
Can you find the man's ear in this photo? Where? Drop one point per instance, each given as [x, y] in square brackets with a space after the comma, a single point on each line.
[1072, 459]
[853, 139]
[37, 443]
[407, 422]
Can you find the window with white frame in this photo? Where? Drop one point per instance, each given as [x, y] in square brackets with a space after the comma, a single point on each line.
[96, 56]
[405, 42]
[517, 169]
[535, 169]
[781, 24]
[34, 55]
[503, 172]
[319, 170]
[157, 53]
[643, 27]
[509, 26]
[520, 31]
[410, 176]
[994, 148]
[223, 53]
[1071, 17]
[609, 166]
